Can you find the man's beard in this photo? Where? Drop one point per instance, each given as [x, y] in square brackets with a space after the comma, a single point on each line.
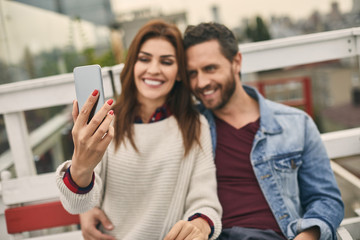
[227, 90]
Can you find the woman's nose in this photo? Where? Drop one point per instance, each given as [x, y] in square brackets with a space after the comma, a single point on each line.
[154, 68]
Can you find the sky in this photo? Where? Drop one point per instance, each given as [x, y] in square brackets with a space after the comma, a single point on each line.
[232, 11]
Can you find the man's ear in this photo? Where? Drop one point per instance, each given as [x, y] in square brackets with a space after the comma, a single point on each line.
[237, 61]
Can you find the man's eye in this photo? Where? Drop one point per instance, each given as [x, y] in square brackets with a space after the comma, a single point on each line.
[210, 68]
[191, 74]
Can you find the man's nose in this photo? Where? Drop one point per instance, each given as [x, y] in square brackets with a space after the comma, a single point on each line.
[202, 80]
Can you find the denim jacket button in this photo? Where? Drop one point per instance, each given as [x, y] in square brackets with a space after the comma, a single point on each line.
[266, 176]
[293, 164]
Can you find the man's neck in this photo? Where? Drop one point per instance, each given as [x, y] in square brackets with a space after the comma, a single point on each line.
[240, 110]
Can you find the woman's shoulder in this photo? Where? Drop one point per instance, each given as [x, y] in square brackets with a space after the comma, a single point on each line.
[203, 121]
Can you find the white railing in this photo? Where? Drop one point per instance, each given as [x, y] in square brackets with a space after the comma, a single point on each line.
[15, 98]
[299, 50]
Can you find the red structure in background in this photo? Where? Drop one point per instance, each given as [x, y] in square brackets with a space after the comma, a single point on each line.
[305, 102]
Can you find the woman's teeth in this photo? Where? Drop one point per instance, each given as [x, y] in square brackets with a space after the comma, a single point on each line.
[152, 82]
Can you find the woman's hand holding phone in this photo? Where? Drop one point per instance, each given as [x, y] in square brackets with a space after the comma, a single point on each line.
[90, 139]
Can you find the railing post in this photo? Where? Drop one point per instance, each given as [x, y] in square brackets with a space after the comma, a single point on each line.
[19, 142]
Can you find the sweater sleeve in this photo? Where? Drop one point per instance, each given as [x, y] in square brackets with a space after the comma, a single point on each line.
[76, 203]
[202, 195]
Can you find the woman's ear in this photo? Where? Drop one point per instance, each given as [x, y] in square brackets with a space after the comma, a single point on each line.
[178, 78]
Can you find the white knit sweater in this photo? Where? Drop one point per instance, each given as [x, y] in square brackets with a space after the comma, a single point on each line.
[144, 194]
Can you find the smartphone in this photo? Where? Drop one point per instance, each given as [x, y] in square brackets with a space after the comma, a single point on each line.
[87, 79]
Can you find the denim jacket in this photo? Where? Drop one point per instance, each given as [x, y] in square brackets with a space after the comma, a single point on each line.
[293, 169]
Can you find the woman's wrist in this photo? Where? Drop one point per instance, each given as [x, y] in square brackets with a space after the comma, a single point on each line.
[202, 225]
[82, 177]
[72, 186]
[205, 219]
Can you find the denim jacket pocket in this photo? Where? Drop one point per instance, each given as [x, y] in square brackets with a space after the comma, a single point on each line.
[287, 162]
[286, 168]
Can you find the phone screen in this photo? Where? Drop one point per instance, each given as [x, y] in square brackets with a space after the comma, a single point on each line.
[87, 79]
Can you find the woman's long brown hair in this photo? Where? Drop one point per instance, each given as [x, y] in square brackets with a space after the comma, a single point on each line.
[179, 100]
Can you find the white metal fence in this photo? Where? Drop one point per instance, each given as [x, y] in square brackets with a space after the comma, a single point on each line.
[15, 98]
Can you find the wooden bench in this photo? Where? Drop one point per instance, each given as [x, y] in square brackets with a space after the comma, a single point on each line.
[33, 205]
[33, 202]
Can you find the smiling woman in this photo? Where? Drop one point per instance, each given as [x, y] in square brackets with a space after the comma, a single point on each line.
[159, 171]
[155, 72]
[178, 99]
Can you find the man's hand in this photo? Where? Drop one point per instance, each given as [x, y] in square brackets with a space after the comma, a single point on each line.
[197, 229]
[312, 233]
[90, 219]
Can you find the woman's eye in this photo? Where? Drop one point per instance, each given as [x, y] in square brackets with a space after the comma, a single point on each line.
[143, 59]
[167, 62]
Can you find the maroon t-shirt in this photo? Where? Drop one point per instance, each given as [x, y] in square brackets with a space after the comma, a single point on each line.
[240, 195]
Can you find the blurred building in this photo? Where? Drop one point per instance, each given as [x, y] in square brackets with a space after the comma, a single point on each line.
[95, 11]
[33, 41]
[356, 6]
[131, 22]
[284, 26]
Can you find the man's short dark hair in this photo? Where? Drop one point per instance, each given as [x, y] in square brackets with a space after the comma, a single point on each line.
[204, 32]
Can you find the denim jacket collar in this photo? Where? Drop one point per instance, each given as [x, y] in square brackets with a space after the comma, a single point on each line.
[268, 123]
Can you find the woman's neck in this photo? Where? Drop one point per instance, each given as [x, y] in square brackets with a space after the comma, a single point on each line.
[147, 109]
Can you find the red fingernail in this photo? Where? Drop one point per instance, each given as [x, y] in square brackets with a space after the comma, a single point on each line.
[110, 101]
[111, 112]
[95, 92]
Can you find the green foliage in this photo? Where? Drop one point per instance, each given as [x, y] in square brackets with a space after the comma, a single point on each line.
[29, 63]
[89, 54]
[47, 63]
[72, 59]
[105, 59]
[60, 61]
[257, 31]
[5, 76]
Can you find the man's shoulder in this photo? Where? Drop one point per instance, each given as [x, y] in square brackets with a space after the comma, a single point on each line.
[288, 117]
[274, 107]
[282, 109]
